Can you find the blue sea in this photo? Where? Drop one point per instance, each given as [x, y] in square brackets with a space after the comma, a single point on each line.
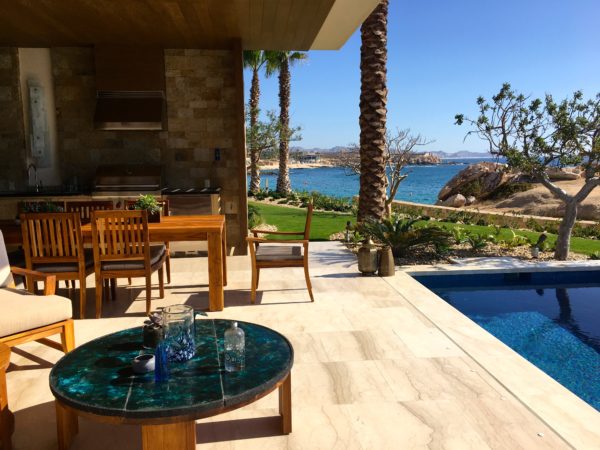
[421, 186]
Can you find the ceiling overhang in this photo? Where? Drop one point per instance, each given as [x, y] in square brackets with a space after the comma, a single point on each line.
[259, 24]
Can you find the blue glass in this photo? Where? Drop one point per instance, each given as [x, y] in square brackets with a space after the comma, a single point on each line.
[179, 332]
[161, 363]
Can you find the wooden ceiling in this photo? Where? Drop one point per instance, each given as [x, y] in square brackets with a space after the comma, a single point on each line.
[260, 24]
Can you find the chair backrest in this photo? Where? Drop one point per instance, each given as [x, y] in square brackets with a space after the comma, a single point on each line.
[85, 208]
[52, 238]
[164, 204]
[6, 278]
[120, 235]
[309, 213]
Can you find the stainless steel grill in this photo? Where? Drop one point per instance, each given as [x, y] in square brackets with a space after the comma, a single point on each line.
[126, 181]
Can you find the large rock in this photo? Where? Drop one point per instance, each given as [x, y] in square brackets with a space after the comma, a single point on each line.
[454, 201]
[564, 173]
[477, 180]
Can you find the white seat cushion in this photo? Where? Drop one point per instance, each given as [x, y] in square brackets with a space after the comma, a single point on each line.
[5, 275]
[22, 311]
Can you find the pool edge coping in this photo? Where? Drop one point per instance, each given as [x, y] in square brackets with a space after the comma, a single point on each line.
[574, 424]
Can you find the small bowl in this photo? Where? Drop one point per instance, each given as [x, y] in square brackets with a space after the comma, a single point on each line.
[143, 364]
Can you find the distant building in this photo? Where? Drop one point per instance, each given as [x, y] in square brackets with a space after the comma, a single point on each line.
[309, 158]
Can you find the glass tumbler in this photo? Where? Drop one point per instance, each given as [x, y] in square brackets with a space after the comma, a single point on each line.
[178, 323]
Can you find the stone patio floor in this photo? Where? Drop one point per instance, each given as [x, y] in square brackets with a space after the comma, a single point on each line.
[379, 363]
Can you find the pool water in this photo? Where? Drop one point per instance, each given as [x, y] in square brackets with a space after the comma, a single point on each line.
[551, 319]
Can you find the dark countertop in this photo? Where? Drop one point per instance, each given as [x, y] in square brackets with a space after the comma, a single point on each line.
[97, 376]
[50, 191]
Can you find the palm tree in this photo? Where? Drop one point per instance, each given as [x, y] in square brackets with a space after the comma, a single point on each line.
[280, 62]
[254, 60]
[373, 114]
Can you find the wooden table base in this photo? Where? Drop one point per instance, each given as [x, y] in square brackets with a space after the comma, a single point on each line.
[172, 436]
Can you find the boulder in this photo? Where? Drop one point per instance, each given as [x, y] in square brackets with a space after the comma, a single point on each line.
[564, 173]
[471, 199]
[477, 180]
[454, 201]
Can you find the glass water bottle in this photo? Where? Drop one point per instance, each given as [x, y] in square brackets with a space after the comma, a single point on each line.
[235, 347]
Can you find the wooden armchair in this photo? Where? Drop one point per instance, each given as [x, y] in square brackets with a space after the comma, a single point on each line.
[164, 212]
[52, 243]
[122, 250]
[287, 253]
[7, 421]
[25, 317]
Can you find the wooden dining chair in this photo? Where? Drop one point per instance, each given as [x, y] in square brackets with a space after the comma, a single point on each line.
[122, 249]
[85, 208]
[52, 243]
[164, 212]
[286, 253]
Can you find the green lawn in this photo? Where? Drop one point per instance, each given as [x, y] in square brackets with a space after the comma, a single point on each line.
[323, 225]
[326, 223]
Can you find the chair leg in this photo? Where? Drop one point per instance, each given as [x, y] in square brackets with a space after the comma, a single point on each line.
[99, 284]
[67, 337]
[82, 299]
[161, 281]
[254, 284]
[308, 284]
[148, 294]
[257, 276]
[113, 288]
[168, 264]
[106, 289]
[129, 280]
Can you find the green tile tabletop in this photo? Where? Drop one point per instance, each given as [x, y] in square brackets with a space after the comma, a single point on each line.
[97, 377]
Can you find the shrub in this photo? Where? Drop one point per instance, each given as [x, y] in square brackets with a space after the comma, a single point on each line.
[478, 241]
[401, 235]
[508, 189]
[595, 256]
[254, 217]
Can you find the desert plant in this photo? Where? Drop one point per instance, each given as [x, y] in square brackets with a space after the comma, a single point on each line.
[477, 241]
[595, 256]
[459, 235]
[401, 235]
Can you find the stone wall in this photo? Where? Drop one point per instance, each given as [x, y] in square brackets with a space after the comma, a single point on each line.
[201, 95]
[13, 169]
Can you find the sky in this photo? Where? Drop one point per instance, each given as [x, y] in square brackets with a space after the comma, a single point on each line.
[441, 56]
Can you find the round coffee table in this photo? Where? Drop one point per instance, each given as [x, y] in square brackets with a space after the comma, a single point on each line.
[95, 380]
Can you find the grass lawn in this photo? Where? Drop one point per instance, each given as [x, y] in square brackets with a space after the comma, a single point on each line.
[326, 223]
[285, 218]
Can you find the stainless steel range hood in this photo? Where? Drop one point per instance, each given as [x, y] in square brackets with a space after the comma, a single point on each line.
[130, 88]
[130, 110]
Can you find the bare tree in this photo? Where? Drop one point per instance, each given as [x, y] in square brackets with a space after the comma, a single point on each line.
[540, 135]
[399, 150]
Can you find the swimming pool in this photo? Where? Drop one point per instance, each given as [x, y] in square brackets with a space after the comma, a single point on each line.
[551, 318]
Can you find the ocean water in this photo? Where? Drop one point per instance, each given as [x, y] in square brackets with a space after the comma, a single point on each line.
[421, 186]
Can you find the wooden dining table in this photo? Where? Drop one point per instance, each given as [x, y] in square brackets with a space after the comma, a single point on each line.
[210, 228]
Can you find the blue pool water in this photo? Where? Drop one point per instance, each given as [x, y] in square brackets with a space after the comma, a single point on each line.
[551, 319]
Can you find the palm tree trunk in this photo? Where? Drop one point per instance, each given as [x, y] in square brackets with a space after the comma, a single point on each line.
[373, 114]
[283, 178]
[254, 152]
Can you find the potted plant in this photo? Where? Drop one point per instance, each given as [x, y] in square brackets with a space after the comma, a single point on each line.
[150, 204]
